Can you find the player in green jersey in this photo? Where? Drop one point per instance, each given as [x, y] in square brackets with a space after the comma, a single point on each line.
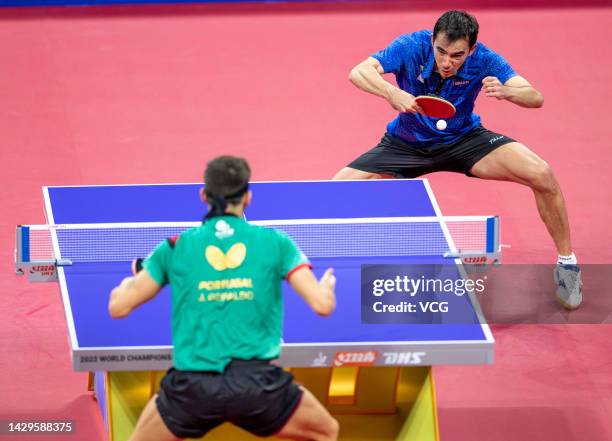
[227, 313]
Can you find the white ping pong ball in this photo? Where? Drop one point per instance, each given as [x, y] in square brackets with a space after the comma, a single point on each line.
[441, 124]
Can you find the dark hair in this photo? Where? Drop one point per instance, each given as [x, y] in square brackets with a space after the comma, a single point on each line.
[457, 25]
[226, 180]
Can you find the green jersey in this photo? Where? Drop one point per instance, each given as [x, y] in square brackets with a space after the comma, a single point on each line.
[226, 280]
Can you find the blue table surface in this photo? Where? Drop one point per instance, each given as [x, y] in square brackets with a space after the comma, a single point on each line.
[271, 201]
[89, 284]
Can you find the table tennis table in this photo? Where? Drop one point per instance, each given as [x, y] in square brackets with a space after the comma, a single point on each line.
[340, 358]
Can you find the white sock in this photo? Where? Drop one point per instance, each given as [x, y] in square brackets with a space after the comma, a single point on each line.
[567, 260]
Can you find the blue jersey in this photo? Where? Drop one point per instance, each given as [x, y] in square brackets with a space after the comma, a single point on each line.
[410, 57]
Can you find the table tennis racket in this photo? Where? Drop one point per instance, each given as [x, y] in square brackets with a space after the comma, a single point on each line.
[137, 265]
[435, 107]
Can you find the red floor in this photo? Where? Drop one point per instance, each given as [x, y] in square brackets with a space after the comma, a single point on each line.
[149, 94]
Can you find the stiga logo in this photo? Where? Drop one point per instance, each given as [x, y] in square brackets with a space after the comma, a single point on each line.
[43, 270]
[358, 358]
[403, 358]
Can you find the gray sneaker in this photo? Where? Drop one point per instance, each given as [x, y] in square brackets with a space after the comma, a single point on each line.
[569, 285]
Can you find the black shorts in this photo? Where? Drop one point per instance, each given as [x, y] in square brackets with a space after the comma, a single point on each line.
[394, 156]
[254, 395]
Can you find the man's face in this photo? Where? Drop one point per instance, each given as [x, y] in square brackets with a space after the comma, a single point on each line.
[450, 56]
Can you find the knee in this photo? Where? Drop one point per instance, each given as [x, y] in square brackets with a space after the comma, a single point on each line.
[342, 175]
[348, 173]
[332, 429]
[541, 178]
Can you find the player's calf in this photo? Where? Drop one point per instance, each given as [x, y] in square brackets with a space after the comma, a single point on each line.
[311, 420]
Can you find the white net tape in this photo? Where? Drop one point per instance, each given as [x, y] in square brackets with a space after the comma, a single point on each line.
[316, 238]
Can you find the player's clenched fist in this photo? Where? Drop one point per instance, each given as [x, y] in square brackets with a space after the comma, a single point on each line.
[491, 86]
[328, 280]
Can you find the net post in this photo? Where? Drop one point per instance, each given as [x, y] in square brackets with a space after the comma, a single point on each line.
[22, 243]
[492, 234]
[19, 249]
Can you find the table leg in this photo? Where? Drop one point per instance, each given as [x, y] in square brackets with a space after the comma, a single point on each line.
[371, 403]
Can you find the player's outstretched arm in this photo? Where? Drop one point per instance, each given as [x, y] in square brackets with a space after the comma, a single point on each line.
[131, 293]
[368, 76]
[517, 90]
[319, 294]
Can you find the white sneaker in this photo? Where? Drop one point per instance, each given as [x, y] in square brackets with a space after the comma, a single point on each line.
[569, 285]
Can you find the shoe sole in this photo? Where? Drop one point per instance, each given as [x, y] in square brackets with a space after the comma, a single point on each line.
[567, 305]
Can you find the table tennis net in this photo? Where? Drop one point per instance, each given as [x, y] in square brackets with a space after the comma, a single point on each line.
[317, 238]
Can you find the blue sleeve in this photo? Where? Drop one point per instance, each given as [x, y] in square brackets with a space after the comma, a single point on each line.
[158, 262]
[393, 57]
[500, 68]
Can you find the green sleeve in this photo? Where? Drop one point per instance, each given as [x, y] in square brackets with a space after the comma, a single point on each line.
[290, 256]
[158, 263]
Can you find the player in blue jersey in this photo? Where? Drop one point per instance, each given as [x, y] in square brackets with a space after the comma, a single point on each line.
[450, 63]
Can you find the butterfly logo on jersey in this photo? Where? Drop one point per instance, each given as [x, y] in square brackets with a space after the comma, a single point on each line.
[221, 261]
[224, 230]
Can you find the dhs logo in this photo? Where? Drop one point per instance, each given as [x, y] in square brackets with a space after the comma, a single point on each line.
[404, 358]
